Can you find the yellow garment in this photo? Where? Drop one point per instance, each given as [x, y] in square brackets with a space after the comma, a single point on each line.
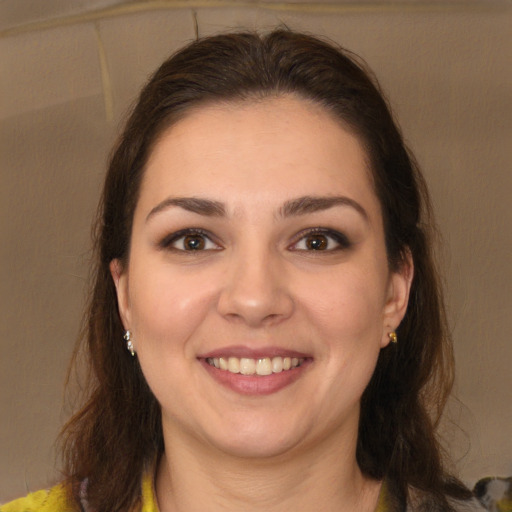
[56, 500]
[383, 502]
[149, 503]
[504, 505]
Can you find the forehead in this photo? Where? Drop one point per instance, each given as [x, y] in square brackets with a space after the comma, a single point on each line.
[279, 148]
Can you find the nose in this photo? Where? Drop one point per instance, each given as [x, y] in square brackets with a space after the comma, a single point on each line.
[256, 290]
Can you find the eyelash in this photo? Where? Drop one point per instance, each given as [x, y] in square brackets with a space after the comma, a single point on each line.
[341, 240]
[173, 238]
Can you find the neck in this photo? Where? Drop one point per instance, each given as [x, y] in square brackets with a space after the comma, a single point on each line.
[325, 477]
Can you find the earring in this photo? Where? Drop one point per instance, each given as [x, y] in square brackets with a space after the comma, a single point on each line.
[129, 344]
[393, 337]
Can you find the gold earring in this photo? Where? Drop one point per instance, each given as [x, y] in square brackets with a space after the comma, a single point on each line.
[129, 343]
[393, 337]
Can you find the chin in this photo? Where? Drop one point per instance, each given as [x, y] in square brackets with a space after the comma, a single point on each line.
[251, 442]
[252, 449]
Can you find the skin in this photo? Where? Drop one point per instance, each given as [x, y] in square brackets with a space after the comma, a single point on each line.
[257, 283]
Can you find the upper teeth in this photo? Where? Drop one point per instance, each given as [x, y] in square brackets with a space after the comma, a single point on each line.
[261, 366]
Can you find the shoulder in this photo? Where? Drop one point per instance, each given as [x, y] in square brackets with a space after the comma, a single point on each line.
[52, 500]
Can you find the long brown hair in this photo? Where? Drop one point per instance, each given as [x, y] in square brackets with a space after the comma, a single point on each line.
[118, 431]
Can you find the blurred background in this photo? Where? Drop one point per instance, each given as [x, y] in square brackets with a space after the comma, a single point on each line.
[70, 69]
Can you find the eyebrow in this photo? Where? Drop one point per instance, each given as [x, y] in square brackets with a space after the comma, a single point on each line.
[205, 207]
[312, 204]
[295, 207]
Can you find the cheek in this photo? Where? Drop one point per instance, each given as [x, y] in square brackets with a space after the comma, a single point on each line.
[345, 321]
[347, 305]
[167, 309]
[167, 306]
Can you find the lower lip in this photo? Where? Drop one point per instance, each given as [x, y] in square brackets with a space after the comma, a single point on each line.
[256, 385]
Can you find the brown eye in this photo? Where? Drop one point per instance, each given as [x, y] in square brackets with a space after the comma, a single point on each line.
[321, 240]
[193, 243]
[189, 240]
[316, 242]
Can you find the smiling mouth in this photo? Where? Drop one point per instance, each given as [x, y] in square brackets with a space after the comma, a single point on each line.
[261, 366]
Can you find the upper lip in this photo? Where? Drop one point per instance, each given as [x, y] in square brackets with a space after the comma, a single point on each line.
[252, 353]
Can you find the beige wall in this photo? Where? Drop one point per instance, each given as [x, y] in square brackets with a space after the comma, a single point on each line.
[69, 71]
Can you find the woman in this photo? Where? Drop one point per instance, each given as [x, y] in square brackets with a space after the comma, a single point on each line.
[265, 329]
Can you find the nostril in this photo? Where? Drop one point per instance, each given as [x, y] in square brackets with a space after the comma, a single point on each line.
[256, 288]
[255, 310]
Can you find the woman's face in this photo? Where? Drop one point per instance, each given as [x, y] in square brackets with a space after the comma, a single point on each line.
[257, 289]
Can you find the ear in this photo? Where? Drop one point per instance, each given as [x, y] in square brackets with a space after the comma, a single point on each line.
[398, 297]
[120, 277]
